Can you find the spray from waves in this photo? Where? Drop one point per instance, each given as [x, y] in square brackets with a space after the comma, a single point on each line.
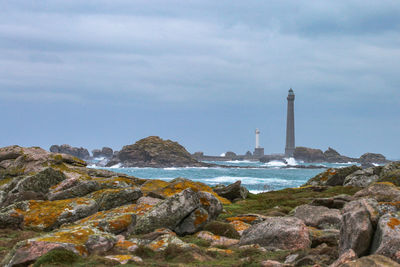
[275, 163]
[239, 161]
[116, 166]
[245, 180]
[291, 161]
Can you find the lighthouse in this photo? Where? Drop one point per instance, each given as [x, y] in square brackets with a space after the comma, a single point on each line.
[258, 151]
[290, 146]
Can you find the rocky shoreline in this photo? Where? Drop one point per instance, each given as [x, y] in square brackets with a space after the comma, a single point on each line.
[53, 207]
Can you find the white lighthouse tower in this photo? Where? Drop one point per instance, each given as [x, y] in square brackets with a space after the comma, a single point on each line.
[257, 138]
[258, 151]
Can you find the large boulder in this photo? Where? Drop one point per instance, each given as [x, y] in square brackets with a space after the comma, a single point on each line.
[363, 178]
[172, 212]
[318, 216]
[110, 198]
[359, 218]
[391, 173]
[382, 192]
[78, 152]
[387, 237]
[72, 188]
[48, 215]
[332, 176]
[335, 202]
[232, 192]
[278, 232]
[331, 155]
[154, 152]
[82, 240]
[371, 261]
[31, 187]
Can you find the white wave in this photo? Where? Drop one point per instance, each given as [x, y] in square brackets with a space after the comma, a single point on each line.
[245, 180]
[257, 191]
[222, 155]
[291, 161]
[93, 166]
[116, 166]
[275, 163]
[171, 169]
[376, 164]
[239, 161]
[99, 158]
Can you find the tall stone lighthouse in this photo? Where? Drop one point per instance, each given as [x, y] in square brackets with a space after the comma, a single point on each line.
[290, 146]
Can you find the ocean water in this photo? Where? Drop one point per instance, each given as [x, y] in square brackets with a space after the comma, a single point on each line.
[273, 175]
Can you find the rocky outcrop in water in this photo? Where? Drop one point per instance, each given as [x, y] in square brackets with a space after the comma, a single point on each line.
[154, 152]
[105, 152]
[78, 152]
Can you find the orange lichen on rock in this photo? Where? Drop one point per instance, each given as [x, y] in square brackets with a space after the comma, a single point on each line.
[393, 222]
[114, 182]
[44, 214]
[245, 219]
[153, 185]
[200, 217]
[125, 244]
[158, 244]
[240, 226]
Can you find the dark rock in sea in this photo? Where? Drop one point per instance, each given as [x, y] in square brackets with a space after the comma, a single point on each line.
[78, 152]
[309, 154]
[232, 192]
[230, 155]
[373, 158]
[104, 152]
[268, 158]
[154, 152]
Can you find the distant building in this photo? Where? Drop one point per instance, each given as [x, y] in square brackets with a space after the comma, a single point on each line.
[258, 151]
[290, 144]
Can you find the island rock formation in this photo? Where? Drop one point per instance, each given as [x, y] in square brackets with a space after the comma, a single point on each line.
[154, 152]
[78, 152]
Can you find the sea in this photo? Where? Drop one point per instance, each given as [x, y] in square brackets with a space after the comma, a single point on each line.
[257, 177]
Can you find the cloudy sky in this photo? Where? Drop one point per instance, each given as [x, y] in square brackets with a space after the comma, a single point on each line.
[203, 73]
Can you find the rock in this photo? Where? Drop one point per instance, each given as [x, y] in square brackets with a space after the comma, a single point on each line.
[387, 237]
[386, 192]
[332, 176]
[33, 187]
[230, 155]
[166, 239]
[362, 178]
[371, 261]
[124, 259]
[105, 152]
[358, 220]
[248, 218]
[278, 232]
[391, 173]
[72, 188]
[110, 198]
[211, 203]
[117, 220]
[48, 215]
[271, 263]
[216, 240]
[100, 243]
[240, 226]
[73, 239]
[222, 229]
[252, 247]
[78, 152]
[309, 154]
[154, 152]
[232, 191]
[336, 202]
[331, 155]
[169, 213]
[225, 252]
[372, 158]
[318, 216]
[148, 200]
[325, 236]
[194, 222]
[346, 256]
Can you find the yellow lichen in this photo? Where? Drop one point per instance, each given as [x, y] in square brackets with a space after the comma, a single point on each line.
[200, 218]
[246, 219]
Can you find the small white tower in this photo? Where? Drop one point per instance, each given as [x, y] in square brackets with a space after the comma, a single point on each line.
[257, 138]
[258, 151]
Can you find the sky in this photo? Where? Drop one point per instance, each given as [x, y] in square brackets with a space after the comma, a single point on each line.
[204, 73]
